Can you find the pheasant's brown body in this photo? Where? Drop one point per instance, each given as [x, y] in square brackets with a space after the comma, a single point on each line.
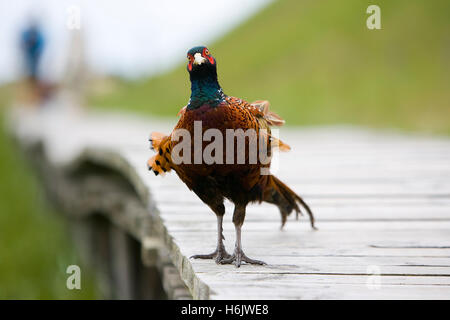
[241, 183]
[238, 182]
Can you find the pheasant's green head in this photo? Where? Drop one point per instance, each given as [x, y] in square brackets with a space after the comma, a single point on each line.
[201, 63]
[205, 88]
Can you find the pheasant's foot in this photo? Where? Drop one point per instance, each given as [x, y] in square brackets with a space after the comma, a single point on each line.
[238, 257]
[219, 255]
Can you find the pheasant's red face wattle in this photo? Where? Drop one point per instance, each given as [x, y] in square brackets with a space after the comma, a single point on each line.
[207, 55]
[199, 56]
[191, 59]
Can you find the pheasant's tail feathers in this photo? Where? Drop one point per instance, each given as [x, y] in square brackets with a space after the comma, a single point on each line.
[272, 118]
[278, 193]
[161, 162]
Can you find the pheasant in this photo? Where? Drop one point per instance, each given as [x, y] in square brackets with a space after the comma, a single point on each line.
[225, 178]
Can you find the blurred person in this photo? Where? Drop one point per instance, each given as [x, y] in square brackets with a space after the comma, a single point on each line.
[32, 43]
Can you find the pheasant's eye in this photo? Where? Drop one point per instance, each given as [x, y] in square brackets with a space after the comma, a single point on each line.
[206, 52]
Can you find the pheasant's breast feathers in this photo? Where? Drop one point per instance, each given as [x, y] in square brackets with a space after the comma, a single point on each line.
[233, 113]
[239, 111]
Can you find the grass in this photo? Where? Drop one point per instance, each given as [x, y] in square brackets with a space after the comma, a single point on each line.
[35, 248]
[318, 64]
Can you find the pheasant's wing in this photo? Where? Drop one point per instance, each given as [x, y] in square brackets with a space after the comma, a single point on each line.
[162, 161]
[260, 108]
[280, 144]
[260, 111]
[277, 143]
[161, 143]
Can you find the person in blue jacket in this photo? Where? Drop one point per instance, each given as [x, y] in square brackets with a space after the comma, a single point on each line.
[32, 44]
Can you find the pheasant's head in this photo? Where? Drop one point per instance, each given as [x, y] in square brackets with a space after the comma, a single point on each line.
[205, 88]
[201, 63]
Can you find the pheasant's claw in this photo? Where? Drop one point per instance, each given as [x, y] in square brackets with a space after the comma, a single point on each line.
[219, 255]
[204, 256]
[238, 257]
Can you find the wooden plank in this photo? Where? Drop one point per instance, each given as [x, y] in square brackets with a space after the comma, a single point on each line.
[261, 291]
[323, 238]
[381, 199]
[184, 213]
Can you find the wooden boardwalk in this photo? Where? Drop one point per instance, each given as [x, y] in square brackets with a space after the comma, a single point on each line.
[381, 199]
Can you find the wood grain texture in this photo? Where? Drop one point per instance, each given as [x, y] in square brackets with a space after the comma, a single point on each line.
[381, 199]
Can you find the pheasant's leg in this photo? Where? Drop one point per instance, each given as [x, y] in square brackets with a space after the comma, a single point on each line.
[239, 256]
[220, 253]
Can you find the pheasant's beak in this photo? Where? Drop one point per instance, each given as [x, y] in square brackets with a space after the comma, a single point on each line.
[198, 59]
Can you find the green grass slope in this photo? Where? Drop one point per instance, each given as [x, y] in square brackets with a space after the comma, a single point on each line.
[317, 63]
[35, 248]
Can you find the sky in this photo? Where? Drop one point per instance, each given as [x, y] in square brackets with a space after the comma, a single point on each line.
[131, 38]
